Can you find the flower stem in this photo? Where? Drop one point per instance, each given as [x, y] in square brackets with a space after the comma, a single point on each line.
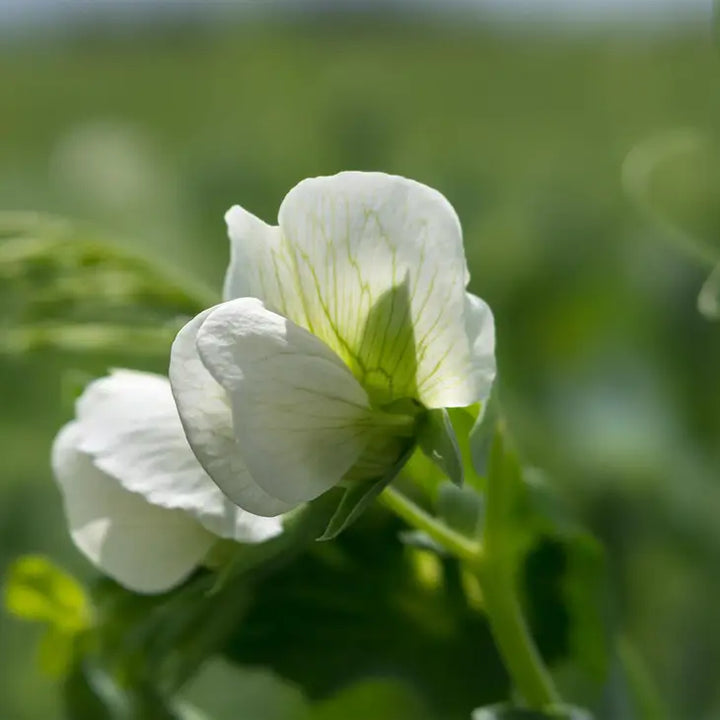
[456, 544]
[513, 638]
[511, 633]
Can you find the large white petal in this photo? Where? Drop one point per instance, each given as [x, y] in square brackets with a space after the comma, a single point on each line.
[301, 419]
[373, 264]
[481, 332]
[130, 426]
[146, 548]
[207, 419]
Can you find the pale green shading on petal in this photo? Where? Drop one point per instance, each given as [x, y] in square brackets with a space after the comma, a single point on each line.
[146, 548]
[207, 419]
[301, 419]
[373, 265]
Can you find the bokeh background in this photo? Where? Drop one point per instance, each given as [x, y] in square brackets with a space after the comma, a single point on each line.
[149, 119]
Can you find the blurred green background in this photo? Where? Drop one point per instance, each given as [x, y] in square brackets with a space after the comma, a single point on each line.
[608, 374]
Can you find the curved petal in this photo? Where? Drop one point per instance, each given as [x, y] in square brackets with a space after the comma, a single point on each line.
[300, 417]
[130, 426]
[480, 326]
[206, 417]
[144, 547]
[372, 264]
[250, 239]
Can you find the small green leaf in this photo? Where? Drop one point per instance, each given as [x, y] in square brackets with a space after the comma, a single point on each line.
[508, 712]
[439, 442]
[358, 496]
[39, 591]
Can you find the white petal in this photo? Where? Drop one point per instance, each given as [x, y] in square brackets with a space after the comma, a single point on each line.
[250, 239]
[146, 548]
[130, 426]
[480, 326]
[300, 417]
[207, 419]
[373, 264]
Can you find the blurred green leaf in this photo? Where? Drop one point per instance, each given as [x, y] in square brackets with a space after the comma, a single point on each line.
[507, 712]
[364, 609]
[437, 440]
[376, 699]
[561, 566]
[37, 590]
[63, 287]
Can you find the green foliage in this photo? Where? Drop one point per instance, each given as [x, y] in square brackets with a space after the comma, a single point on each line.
[64, 288]
[507, 712]
[561, 566]
[365, 611]
[525, 135]
[38, 591]
[377, 699]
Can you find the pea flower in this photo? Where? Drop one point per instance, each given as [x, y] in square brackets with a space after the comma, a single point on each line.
[341, 326]
[138, 504]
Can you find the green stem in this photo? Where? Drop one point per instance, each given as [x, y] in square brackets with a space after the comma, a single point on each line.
[456, 544]
[502, 606]
[513, 638]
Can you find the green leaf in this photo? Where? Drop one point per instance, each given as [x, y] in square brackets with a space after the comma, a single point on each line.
[508, 712]
[364, 608]
[64, 287]
[359, 496]
[561, 567]
[39, 591]
[376, 699]
[438, 441]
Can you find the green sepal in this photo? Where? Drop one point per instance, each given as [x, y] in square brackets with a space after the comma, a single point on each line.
[438, 441]
[508, 712]
[358, 496]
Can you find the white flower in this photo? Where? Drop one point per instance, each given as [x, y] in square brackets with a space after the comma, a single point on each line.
[340, 326]
[138, 504]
